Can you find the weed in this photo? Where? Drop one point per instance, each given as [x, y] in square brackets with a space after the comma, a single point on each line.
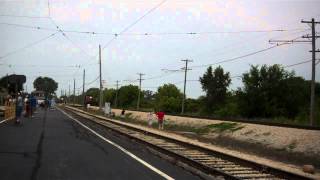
[292, 145]
[224, 126]
[266, 133]
[248, 132]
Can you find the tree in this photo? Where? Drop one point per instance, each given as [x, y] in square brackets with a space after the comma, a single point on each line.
[109, 95]
[127, 96]
[46, 84]
[271, 91]
[168, 98]
[148, 99]
[94, 93]
[215, 85]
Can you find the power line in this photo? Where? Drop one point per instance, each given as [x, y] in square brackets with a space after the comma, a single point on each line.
[134, 23]
[27, 46]
[43, 66]
[28, 26]
[17, 16]
[63, 33]
[147, 33]
[239, 57]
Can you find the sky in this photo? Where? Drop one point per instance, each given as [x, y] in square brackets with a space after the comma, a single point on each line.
[204, 31]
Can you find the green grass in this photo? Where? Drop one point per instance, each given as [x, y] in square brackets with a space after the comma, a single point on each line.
[292, 145]
[266, 133]
[218, 128]
[224, 126]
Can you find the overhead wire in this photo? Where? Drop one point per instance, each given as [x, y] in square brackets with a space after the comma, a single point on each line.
[17, 16]
[147, 33]
[27, 46]
[239, 57]
[132, 24]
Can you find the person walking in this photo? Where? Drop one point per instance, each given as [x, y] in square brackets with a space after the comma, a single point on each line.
[160, 116]
[150, 118]
[19, 108]
[33, 104]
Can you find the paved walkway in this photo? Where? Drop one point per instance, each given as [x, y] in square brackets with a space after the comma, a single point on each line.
[52, 146]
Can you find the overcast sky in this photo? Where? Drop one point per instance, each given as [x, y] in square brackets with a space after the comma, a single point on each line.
[132, 52]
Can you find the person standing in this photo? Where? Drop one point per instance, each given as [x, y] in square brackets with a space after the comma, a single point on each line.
[122, 115]
[160, 116]
[19, 108]
[28, 107]
[33, 104]
[150, 118]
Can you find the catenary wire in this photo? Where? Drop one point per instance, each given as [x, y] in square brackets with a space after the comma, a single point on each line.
[27, 46]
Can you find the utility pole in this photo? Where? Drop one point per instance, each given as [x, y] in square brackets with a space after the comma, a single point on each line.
[116, 100]
[185, 82]
[313, 68]
[100, 96]
[69, 95]
[74, 91]
[83, 88]
[140, 79]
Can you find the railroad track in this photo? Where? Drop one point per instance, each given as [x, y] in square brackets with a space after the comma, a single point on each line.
[208, 161]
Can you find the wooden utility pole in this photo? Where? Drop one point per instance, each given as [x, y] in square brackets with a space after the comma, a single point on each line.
[313, 68]
[101, 95]
[185, 82]
[83, 88]
[140, 79]
[69, 94]
[74, 91]
[116, 100]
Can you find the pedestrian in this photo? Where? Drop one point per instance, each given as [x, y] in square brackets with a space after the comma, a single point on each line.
[160, 115]
[53, 103]
[122, 115]
[33, 103]
[27, 107]
[150, 118]
[19, 108]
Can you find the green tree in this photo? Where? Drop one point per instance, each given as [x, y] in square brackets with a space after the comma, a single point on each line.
[94, 93]
[215, 85]
[168, 98]
[271, 91]
[148, 99]
[109, 95]
[128, 96]
[46, 84]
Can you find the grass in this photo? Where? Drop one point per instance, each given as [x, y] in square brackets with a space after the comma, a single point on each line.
[266, 133]
[224, 126]
[248, 132]
[218, 128]
[292, 145]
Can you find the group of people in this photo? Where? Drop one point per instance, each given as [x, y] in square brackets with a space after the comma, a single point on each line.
[150, 118]
[160, 118]
[29, 104]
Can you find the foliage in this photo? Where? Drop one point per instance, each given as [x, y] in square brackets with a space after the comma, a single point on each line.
[270, 91]
[94, 93]
[128, 96]
[168, 98]
[46, 84]
[109, 95]
[192, 105]
[148, 99]
[215, 85]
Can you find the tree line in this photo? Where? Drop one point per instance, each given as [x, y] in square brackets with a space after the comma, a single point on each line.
[268, 92]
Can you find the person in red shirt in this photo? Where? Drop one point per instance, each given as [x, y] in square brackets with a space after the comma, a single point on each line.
[160, 116]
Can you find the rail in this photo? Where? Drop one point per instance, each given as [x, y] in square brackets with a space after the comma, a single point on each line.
[209, 161]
